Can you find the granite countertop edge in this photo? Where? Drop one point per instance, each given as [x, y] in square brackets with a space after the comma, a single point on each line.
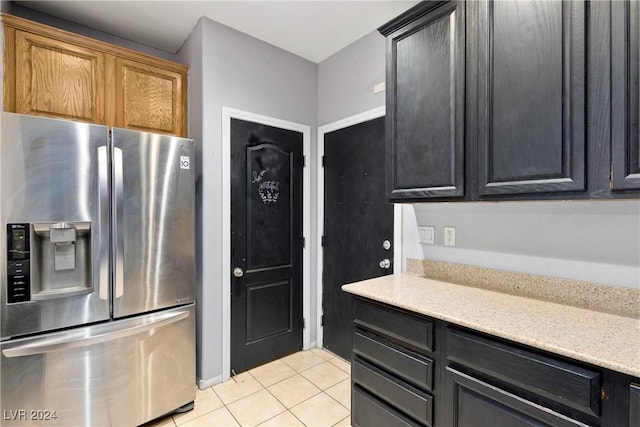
[606, 340]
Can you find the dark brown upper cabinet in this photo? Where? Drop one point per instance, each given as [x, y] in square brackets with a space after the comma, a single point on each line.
[513, 100]
[425, 102]
[531, 96]
[625, 95]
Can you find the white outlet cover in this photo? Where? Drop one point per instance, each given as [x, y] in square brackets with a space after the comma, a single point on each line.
[427, 234]
[449, 236]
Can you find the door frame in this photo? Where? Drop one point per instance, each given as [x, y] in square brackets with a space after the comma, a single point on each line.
[397, 210]
[228, 114]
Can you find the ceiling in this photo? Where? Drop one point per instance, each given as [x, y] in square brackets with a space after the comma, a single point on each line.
[313, 30]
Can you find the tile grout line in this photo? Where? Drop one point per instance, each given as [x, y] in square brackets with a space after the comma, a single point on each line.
[263, 387]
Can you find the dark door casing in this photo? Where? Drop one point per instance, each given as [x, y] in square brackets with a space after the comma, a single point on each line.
[357, 221]
[266, 243]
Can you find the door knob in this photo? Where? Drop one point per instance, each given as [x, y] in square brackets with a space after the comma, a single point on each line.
[385, 263]
[386, 245]
[238, 272]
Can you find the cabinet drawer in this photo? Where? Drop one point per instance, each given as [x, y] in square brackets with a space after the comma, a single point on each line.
[368, 411]
[476, 403]
[410, 367]
[410, 330]
[567, 384]
[407, 399]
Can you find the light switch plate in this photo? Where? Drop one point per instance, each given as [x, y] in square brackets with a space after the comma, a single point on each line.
[427, 234]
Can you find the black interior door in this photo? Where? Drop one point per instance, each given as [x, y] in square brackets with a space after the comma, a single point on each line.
[266, 243]
[357, 222]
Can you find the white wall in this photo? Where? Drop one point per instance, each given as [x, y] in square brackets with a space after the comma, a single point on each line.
[34, 15]
[232, 69]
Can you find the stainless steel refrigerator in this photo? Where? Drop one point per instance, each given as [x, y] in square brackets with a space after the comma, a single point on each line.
[97, 312]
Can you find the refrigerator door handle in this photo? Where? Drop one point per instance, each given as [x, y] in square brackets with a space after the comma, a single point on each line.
[103, 229]
[65, 342]
[118, 221]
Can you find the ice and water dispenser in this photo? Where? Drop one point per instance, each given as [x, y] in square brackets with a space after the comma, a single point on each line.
[48, 260]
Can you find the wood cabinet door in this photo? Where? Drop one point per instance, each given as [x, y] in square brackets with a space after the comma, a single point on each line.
[58, 79]
[625, 95]
[149, 98]
[531, 78]
[425, 106]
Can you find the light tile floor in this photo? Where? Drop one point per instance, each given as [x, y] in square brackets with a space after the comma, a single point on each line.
[308, 388]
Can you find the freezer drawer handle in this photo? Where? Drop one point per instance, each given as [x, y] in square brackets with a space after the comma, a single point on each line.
[47, 345]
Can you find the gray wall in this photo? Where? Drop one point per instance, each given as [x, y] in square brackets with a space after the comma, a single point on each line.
[595, 241]
[232, 69]
[346, 80]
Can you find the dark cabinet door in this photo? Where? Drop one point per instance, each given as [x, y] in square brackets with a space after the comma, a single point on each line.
[634, 405]
[625, 95]
[530, 103]
[477, 403]
[425, 105]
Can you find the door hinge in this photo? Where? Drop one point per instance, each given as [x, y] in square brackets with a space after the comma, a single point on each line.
[304, 323]
[322, 242]
[322, 161]
[304, 161]
[304, 242]
[322, 320]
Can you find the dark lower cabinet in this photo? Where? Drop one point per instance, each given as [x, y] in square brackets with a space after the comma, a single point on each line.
[634, 405]
[368, 410]
[392, 370]
[625, 95]
[475, 403]
[412, 370]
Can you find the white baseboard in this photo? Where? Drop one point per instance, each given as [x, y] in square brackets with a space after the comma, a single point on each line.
[206, 383]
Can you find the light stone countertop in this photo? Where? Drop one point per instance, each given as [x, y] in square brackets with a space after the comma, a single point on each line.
[602, 339]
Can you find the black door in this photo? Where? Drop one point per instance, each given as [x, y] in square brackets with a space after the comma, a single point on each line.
[357, 221]
[266, 243]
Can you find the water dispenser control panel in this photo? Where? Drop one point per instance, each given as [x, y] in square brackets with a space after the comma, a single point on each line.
[18, 258]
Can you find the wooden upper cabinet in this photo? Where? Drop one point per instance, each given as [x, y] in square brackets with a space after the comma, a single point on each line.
[58, 79]
[425, 102]
[149, 98]
[531, 70]
[625, 95]
[55, 73]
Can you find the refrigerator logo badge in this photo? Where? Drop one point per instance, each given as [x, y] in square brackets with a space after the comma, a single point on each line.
[185, 162]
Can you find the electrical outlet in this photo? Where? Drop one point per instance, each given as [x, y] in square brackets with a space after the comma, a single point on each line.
[427, 235]
[449, 236]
